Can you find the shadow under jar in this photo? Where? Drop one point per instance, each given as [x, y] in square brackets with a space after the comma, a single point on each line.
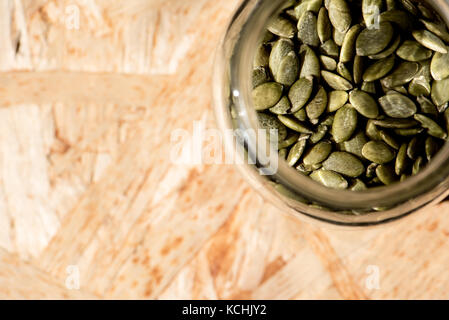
[284, 186]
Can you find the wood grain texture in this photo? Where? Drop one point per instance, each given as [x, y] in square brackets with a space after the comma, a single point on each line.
[87, 113]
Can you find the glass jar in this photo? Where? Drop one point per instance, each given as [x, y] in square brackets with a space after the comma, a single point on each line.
[292, 192]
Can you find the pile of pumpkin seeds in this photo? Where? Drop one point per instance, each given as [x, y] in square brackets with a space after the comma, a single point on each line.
[358, 90]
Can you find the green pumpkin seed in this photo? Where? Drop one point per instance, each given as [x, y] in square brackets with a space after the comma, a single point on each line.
[330, 49]
[344, 71]
[413, 148]
[440, 92]
[269, 122]
[398, 17]
[413, 51]
[378, 152]
[282, 27]
[296, 152]
[318, 153]
[358, 185]
[386, 174]
[288, 70]
[345, 123]
[345, 164]
[282, 107]
[328, 63]
[307, 5]
[396, 105]
[262, 57]
[373, 41]
[294, 124]
[379, 69]
[418, 165]
[340, 15]
[364, 104]
[335, 81]
[300, 93]
[401, 160]
[429, 40]
[307, 29]
[431, 147]
[329, 179]
[338, 37]
[281, 49]
[311, 64]
[390, 123]
[371, 170]
[358, 69]
[324, 27]
[432, 127]
[337, 99]
[390, 50]
[301, 115]
[318, 104]
[389, 139]
[439, 66]
[438, 29]
[289, 141]
[259, 76]
[266, 95]
[368, 87]
[371, 10]
[354, 145]
[408, 132]
[348, 47]
[321, 132]
[372, 131]
[427, 107]
[419, 87]
[403, 74]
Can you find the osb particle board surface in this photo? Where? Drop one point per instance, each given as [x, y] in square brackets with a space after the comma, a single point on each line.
[86, 117]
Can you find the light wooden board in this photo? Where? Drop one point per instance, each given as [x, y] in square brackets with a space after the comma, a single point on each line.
[88, 196]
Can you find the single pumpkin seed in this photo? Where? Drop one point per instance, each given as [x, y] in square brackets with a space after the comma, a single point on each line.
[386, 174]
[358, 69]
[379, 69]
[320, 133]
[373, 41]
[318, 105]
[318, 153]
[364, 104]
[408, 132]
[282, 27]
[337, 99]
[348, 46]
[390, 123]
[328, 63]
[372, 131]
[345, 164]
[300, 93]
[439, 67]
[378, 152]
[338, 37]
[262, 57]
[432, 127]
[396, 105]
[358, 185]
[368, 87]
[403, 74]
[288, 69]
[259, 76]
[296, 152]
[389, 139]
[330, 49]
[355, 144]
[280, 50]
[413, 51]
[324, 27]
[431, 147]
[282, 107]
[266, 95]
[335, 81]
[294, 124]
[269, 122]
[301, 115]
[289, 141]
[413, 148]
[401, 160]
[340, 15]
[345, 123]
[418, 165]
[329, 179]
[426, 106]
[429, 40]
[307, 29]
[311, 64]
[440, 92]
[343, 71]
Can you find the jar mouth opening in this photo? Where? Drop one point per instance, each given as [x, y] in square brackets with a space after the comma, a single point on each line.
[432, 177]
